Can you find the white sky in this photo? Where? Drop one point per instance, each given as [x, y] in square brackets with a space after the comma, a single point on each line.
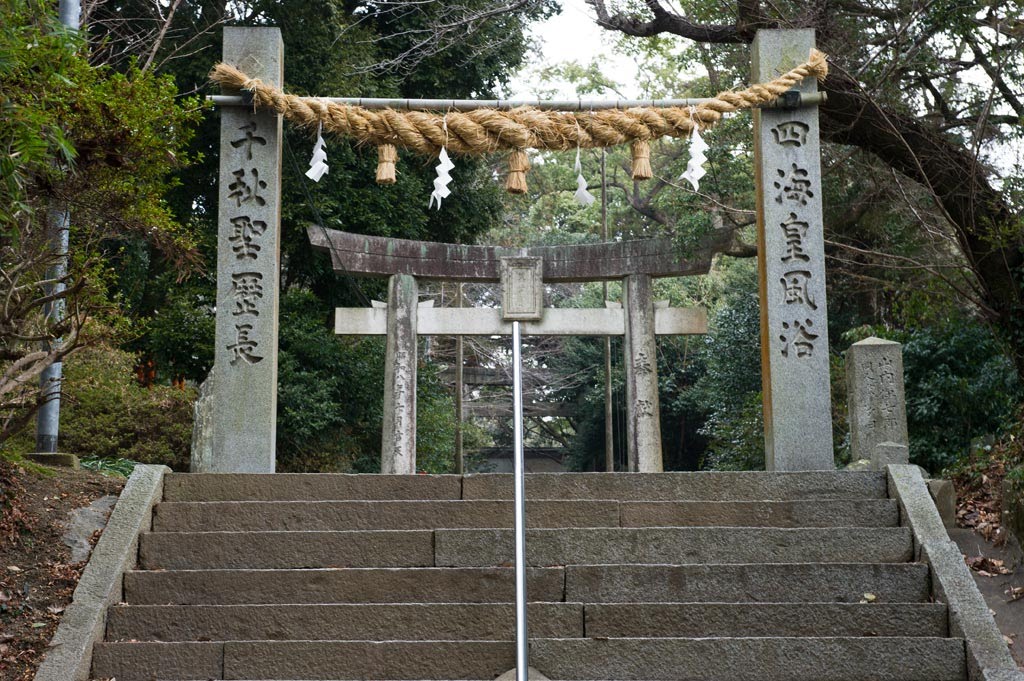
[573, 35]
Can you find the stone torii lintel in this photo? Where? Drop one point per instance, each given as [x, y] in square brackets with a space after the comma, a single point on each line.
[481, 321]
[361, 255]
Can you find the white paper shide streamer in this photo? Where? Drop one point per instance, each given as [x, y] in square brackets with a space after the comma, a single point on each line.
[583, 197]
[318, 164]
[695, 167]
[444, 178]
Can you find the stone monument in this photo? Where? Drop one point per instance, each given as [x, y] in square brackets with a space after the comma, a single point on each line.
[791, 267]
[248, 266]
[876, 402]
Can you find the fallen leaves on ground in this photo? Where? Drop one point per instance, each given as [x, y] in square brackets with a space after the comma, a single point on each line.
[36, 578]
[979, 498]
[987, 567]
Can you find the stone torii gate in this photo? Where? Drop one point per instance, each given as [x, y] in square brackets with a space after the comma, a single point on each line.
[522, 273]
[791, 266]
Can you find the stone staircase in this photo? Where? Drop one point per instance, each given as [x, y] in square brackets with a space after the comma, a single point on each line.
[711, 576]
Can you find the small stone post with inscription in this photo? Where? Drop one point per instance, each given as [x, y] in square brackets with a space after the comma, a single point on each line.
[398, 438]
[244, 400]
[643, 415]
[876, 402]
[791, 267]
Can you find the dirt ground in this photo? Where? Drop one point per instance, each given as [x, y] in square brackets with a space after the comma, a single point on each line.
[36, 576]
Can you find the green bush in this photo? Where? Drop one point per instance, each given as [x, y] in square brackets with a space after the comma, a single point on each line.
[331, 393]
[960, 385]
[106, 414]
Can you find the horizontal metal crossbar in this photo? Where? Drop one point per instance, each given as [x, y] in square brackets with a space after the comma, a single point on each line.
[791, 100]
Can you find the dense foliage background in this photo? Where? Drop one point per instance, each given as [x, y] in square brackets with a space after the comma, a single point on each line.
[106, 122]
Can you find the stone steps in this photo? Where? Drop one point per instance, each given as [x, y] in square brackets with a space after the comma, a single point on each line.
[737, 583]
[738, 576]
[594, 486]
[496, 621]
[707, 659]
[254, 516]
[492, 548]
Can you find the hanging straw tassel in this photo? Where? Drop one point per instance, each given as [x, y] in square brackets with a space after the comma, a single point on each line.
[642, 160]
[387, 156]
[518, 165]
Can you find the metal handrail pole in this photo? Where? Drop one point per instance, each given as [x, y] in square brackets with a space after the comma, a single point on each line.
[522, 640]
[788, 100]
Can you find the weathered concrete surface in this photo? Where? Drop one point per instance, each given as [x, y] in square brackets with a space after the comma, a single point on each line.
[398, 434]
[1008, 615]
[690, 545]
[791, 266]
[360, 254]
[746, 583]
[701, 620]
[889, 454]
[640, 357]
[753, 659]
[682, 486]
[55, 459]
[969, 616]
[201, 457]
[149, 661]
[348, 622]
[944, 495]
[355, 585]
[876, 403]
[84, 522]
[70, 653]
[531, 675]
[364, 660]
[414, 515]
[377, 515]
[305, 486]
[239, 550]
[917, 510]
[822, 513]
[248, 264]
[952, 583]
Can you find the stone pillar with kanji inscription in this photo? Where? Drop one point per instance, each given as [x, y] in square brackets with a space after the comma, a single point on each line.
[791, 266]
[643, 417]
[875, 398]
[244, 403]
[398, 437]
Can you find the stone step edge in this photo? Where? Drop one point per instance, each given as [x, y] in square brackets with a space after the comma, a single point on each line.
[659, 639]
[829, 565]
[509, 603]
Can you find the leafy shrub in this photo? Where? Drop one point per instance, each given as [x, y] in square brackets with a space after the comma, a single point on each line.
[106, 414]
[729, 391]
[960, 385]
[331, 393]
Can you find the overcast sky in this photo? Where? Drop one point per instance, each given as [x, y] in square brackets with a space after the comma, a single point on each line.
[573, 35]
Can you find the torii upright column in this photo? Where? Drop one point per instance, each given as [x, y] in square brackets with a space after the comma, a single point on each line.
[791, 267]
[248, 265]
[398, 436]
[643, 414]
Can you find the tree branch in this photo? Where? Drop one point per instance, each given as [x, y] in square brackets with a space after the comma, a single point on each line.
[665, 22]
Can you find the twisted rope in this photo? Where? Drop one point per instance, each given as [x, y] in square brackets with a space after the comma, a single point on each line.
[483, 131]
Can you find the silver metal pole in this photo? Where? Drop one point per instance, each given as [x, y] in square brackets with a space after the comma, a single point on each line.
[609, 426]
[788, 101]
[460, 464]
[70, 13]
[522, 640]
[58, 219]
[48, 416]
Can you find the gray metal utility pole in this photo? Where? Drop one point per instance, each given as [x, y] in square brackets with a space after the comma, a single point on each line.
[58, 222]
